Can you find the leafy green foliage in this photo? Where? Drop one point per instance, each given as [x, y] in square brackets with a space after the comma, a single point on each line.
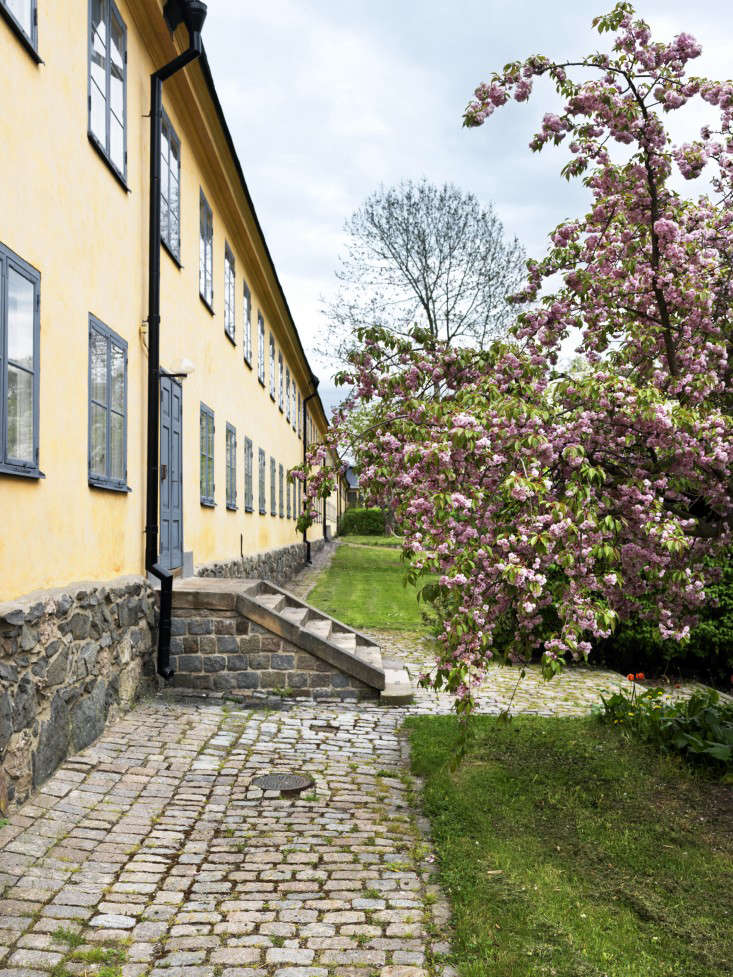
[709, 652]
[363, 522]
[699, 727]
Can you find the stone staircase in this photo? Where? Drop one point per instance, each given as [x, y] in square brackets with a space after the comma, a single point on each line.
[333, 645]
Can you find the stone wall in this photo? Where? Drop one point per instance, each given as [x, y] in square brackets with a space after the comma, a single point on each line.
[221, 651]
[69, 659]
[278, 565]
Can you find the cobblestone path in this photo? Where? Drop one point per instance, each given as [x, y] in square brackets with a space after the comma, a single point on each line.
[151, 852]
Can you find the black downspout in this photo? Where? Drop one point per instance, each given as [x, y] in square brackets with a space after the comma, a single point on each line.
[193, 12]
[305, 452]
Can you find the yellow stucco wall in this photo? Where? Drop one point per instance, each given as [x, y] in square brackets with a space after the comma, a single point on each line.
[63, 211]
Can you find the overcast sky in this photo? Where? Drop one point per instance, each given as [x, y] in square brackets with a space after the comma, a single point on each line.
[328, 99]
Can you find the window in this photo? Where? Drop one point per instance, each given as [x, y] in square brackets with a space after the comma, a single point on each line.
[229, 293]
[272, 366]
[300, 498]
[287, 394]
[247, 319]
[207, 455]
[23, 16]
[300, 412]
[107, 407]
[20, 298]
[280, 382]
[260, 348]
[287, 494]
[206, 252]
[273, 487]
[262, 475]
[293, 417]
[248, 463]
[231, 458]
[107, 83]
[280, 483]
[170, 181]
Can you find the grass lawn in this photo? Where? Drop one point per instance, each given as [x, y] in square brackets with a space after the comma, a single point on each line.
[567, 851]
[363, 588]
[391, 541]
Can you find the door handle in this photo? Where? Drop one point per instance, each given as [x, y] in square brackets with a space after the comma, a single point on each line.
[163, 472]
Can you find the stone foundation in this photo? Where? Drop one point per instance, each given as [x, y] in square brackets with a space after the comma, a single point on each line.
[221, 651]
[278, 565]
[69, 659]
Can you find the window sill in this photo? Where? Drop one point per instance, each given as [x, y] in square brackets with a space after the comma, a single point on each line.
[94, 143]
[100, 483]
[261, 381]
[249, 508]
[231, 338]
[208, 503]
[247, 362]
[272, 397]
[21, 35]
[34, 473]
[263, 512]
[232, 508]
[206, 303]
[173, 256]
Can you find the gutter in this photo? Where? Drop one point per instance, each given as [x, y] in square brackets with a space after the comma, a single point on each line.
[193, 13]
[310, 396]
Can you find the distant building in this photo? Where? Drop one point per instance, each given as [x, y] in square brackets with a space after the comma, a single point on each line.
[353, 492]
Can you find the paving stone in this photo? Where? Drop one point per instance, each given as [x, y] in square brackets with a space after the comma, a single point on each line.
[113, 921]
[38, 959]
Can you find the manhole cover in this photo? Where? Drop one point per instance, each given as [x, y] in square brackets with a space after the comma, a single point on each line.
[287, 783]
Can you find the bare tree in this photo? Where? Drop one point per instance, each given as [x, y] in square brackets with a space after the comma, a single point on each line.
[424, 255]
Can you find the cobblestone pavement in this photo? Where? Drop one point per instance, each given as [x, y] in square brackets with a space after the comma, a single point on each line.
[571, 693]
[151, 852]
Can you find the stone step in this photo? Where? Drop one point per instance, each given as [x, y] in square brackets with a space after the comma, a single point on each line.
[320, 627]
[298, 615]
[369, 653]
[397, 689]
[273, 602]
[345, 640]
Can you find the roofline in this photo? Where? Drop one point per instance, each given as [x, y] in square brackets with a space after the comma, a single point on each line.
[209, 79]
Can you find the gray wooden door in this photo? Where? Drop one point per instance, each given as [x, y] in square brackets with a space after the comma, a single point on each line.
[171, 476]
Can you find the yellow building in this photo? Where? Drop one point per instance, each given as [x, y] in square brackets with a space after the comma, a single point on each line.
[74, 261]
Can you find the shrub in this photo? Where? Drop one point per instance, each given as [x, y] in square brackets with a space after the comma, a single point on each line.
[709, 652]
[363, 522]
[700, 727]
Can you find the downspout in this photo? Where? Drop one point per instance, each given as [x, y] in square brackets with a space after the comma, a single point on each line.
[305, 452]
[193, 13]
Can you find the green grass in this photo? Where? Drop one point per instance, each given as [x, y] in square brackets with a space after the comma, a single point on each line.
[64, 935]
[566, 851]
[392, 542]
[364, 589]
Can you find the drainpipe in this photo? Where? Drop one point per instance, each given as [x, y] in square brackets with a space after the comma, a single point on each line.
[305, 451]
[193, 13]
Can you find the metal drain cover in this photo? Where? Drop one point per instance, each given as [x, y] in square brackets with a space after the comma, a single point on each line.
[288, 784]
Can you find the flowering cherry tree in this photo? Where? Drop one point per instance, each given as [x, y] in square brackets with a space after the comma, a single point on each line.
[552, 503]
